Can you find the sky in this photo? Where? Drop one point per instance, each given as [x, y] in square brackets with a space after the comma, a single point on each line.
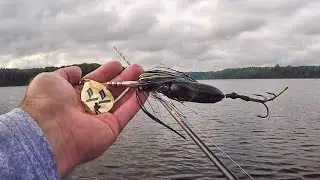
[188, 35]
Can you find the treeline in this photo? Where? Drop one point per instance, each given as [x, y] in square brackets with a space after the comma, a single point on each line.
[21, 77]
[276, 72]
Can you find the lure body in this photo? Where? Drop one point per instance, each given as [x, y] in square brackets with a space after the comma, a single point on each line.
[187, 91]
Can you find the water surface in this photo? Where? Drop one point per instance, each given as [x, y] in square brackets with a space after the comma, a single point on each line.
[285, 146]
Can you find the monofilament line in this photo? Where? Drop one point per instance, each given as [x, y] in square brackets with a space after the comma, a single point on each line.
[220, 149]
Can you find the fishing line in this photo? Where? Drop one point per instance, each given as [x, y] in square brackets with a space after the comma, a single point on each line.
[155, 114]
[159, 109]
[180, 112]
[156, 118]
[157, 98]
[219, 149]
[194, 111]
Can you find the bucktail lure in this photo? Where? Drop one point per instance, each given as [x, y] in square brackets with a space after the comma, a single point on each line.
[173, 84]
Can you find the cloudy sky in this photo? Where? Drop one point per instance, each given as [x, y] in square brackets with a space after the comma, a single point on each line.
[184, 34]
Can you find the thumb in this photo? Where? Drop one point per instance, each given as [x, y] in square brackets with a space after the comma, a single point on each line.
[72, 74]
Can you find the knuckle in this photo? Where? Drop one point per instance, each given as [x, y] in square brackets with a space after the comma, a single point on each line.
[44, 75]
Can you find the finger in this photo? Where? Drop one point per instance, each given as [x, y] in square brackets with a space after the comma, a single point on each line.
[143, 96]
[122, 99]
[132, 72]
[128, 109]
[105, 72]
[72, 74]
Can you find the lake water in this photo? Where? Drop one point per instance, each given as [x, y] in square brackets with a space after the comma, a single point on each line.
[284, 146]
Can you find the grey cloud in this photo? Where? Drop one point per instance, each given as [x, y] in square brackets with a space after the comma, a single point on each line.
[68, 26]
[307, 23]
[270, 8]
[228, 29]
[184, 34]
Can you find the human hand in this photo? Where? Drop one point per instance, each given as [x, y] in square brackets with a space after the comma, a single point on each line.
[53, 100]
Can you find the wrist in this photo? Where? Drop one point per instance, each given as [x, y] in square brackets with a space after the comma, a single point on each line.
[59, 140]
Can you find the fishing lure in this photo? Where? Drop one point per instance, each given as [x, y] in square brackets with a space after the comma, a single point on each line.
[181, 87]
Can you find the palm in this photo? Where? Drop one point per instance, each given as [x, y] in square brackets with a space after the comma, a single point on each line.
[74, 134]
[78, 120]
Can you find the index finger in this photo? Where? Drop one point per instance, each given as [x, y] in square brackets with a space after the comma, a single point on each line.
[105, 72]
[130, 107]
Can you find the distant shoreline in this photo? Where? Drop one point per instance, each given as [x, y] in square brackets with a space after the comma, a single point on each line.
[22, 77]
[211, 79]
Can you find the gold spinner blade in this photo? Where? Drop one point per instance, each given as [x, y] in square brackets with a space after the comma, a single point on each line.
[96, 98]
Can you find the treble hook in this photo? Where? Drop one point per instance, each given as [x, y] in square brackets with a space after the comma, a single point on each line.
[262, 101]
